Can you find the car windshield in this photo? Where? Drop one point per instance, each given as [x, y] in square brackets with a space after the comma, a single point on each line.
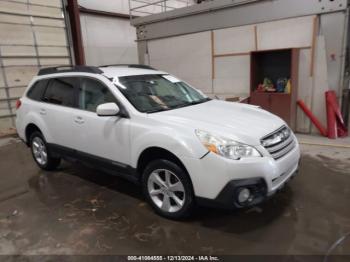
[154, 93]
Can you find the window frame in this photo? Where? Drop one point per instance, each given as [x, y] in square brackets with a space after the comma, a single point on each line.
[80, 85]
[123, 111]
[74, 106]
[33, 86]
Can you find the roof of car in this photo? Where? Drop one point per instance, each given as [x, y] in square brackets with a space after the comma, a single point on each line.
[118, 71]
[110, 71]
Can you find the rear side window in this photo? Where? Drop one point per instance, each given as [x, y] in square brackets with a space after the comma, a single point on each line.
[37, 90]
[60, 91]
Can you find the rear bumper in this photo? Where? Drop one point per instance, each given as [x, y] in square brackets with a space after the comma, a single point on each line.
[20, 130]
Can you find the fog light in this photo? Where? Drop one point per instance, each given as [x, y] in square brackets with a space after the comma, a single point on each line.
[244, 195]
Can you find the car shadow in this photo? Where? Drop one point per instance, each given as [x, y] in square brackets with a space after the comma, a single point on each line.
[246, 219]
[63, 184]
[103, 179]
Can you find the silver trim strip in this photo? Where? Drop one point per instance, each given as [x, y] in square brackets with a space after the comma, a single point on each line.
[282, 148]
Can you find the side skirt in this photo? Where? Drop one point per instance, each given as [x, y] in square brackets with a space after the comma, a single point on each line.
[92, 161]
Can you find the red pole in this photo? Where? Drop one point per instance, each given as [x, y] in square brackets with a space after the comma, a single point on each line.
[74, 18]
[313, 119]
[331, 120]
[335, 122]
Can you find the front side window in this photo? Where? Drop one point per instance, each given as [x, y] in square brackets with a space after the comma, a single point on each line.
[36, 92]
[60, 91]
[93, 93]
[154, 93]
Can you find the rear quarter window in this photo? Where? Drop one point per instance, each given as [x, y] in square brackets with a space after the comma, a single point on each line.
[37, 90]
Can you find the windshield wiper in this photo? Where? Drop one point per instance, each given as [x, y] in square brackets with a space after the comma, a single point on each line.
[193, 102]
[190, 103]
[200, 101]
[158, 110]
[179, 105]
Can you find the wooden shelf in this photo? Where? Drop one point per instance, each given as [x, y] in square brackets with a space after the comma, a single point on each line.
[275, 64]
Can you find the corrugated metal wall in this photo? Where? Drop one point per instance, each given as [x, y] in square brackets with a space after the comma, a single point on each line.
[32, 35]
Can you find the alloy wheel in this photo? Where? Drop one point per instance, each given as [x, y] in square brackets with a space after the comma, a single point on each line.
[166, 190]
[39, 151]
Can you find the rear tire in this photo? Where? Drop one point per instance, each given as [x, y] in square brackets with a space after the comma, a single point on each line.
[41, 153]
[168, 189]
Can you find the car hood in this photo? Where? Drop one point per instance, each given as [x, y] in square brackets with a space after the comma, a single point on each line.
[241, 122]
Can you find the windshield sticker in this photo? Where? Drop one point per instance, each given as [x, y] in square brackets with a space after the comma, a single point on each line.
[171, 78]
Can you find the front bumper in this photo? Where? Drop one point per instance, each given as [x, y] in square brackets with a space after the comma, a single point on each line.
[216, 179]
[227, 198]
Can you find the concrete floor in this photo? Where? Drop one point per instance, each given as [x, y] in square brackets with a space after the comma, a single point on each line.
[77, 210]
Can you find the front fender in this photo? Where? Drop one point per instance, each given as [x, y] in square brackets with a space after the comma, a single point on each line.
[180, 144]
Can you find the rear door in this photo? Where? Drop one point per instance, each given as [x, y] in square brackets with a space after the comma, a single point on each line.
[59, 102]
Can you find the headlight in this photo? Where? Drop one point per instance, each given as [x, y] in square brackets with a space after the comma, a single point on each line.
[226, 147]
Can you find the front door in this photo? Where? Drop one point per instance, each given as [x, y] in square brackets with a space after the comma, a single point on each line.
[100, 138]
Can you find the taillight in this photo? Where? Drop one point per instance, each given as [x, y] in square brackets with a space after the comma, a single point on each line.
[18, 103]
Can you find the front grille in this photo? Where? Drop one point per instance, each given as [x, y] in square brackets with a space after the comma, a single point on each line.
[279, 143]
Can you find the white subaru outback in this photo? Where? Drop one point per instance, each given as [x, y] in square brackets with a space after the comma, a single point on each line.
[154, 129]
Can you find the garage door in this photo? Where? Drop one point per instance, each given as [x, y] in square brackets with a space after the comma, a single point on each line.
[32, 35]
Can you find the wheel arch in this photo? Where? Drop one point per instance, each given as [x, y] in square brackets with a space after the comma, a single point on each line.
[35, 120]
[30, 128]
[153, 153]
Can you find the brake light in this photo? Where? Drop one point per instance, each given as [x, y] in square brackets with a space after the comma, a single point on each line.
[18, 103]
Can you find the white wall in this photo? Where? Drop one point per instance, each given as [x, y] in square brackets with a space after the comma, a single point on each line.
[190, 57]
[108, 40]
[186, 56]
[116, 6]
[122, 6]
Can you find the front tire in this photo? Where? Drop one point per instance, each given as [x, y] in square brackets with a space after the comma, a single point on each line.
[168, 189]
[42, 156]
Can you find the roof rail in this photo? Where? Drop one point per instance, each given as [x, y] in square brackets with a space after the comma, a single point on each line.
[67, 69]
[131, 66]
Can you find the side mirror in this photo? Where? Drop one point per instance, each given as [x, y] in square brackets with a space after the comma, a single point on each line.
[107, 109]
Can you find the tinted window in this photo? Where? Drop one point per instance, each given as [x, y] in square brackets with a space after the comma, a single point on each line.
[60, 91]
[37, 90]
[93, 93]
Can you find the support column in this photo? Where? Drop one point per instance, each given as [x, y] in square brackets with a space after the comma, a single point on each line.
[74, 16]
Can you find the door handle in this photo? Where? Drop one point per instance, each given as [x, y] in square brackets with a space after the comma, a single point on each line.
[79, 120]
[42, 111]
